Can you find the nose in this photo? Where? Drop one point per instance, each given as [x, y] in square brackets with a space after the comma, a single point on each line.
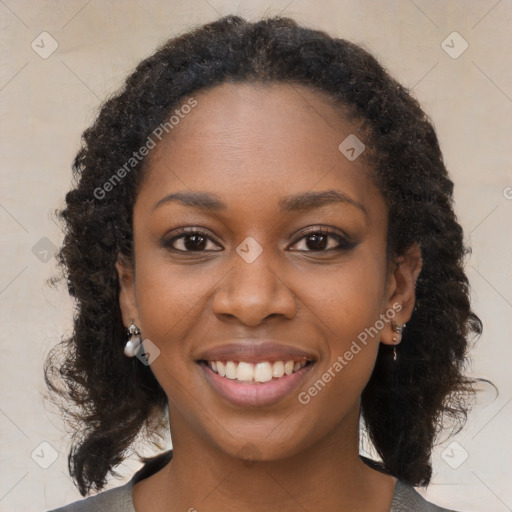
[252, 292]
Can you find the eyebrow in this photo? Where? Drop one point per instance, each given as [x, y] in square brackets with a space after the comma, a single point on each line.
[293, 203]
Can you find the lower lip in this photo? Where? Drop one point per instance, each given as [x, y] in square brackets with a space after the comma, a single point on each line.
[254, 394]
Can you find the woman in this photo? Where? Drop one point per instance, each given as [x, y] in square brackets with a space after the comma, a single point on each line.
[269, 211]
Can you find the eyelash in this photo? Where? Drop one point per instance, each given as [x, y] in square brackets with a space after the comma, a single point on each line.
[343, 242]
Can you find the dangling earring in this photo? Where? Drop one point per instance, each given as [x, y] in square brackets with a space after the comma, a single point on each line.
[134, 340]
[396, 339]
[398, 330]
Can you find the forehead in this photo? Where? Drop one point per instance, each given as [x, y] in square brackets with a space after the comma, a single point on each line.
[260, 140]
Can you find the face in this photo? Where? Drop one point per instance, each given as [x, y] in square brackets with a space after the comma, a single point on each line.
[260, 254]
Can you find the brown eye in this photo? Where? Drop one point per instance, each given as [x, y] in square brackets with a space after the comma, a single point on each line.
[321, 240]
[190, 241]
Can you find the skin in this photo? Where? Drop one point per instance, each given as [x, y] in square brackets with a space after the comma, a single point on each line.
[251, 145]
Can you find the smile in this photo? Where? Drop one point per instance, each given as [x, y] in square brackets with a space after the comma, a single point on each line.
[259, 384]
[264, 371]
[254, 373]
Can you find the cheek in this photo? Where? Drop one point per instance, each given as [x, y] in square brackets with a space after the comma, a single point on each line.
[169, 296]
[349, 303]
[350, 297]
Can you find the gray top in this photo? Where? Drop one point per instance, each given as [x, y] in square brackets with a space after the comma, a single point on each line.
[119, 499]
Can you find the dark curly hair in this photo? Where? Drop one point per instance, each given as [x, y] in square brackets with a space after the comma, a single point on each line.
[109, 399]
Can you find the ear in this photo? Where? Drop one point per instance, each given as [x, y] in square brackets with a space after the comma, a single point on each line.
[127, 298]
[403, 273]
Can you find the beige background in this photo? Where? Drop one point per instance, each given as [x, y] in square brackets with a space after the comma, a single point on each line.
[46, 104]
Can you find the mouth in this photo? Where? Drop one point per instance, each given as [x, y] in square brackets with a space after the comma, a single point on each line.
[254, 374]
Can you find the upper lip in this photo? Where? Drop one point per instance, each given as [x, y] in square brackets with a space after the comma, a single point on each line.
[251, 351]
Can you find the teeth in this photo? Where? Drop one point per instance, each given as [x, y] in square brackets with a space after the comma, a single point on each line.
[278, 369]
[231, 370]
[245, 371]
[259, 372]
[263, 372]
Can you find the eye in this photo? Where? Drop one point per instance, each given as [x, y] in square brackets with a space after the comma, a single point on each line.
[324, 240]
[190, 240]
[317, 240]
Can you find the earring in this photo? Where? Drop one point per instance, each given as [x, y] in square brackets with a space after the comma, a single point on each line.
[396, 339]
[398, 330]
[134, 340]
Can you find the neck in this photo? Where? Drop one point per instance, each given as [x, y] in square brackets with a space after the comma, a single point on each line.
[327, 476]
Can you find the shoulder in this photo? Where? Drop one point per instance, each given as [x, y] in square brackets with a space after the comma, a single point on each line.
[118, 499]
[407, 499]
